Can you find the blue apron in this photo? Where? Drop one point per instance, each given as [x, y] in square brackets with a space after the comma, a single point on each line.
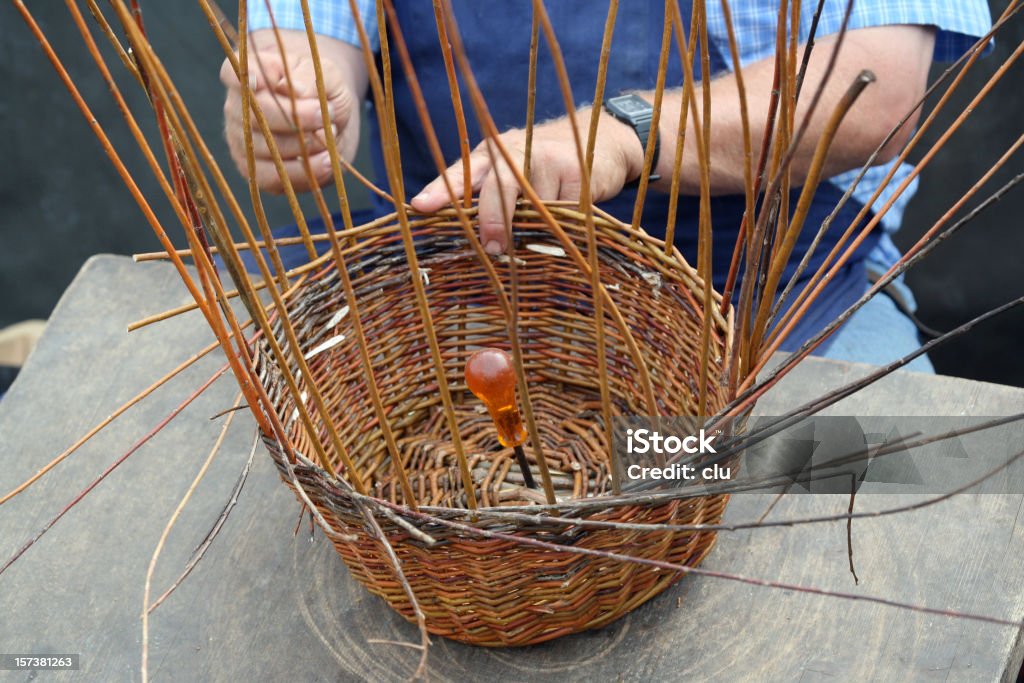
[496, 36]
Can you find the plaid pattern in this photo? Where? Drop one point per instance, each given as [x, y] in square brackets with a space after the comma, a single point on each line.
[330, 18]
[959, 24]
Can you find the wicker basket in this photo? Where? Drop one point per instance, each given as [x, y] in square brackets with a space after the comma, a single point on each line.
[487, 591]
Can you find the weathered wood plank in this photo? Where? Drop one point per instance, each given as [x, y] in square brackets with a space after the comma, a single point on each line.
[264, 605]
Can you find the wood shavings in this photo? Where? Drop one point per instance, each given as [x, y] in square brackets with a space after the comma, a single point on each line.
[337, 317]
[547, 249]
[654, 280]
[329, 344]
[505, 258]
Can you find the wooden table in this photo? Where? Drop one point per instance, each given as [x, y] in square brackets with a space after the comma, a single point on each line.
[266, 605]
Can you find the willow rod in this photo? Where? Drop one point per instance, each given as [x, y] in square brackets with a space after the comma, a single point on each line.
[491, 131]
[876, 218]
[154, 558]
[970, 57]
[232, 261]
[687, 49]
[822, 278]
[646, 168]
[382, 94]
[509, 311]
[512, 314]
[587, 163]
[814, 175]
[342, 267]
[122, 171]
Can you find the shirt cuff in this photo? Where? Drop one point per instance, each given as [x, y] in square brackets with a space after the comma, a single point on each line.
[332, 19]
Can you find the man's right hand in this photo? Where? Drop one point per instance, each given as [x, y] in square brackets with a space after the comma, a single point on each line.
[344, 75]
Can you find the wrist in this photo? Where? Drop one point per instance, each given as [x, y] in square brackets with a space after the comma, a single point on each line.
[627, 145]
[637, 114]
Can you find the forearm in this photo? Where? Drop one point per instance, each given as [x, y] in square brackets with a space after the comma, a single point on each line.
[898, 55]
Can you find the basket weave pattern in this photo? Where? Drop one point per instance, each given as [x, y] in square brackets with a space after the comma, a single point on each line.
[488, 591]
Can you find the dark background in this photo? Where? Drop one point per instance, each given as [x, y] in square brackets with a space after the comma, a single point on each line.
[61, 200]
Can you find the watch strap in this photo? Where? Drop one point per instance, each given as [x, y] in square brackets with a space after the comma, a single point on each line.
[641, 124]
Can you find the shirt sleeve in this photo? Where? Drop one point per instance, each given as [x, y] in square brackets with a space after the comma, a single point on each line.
[329, 18]
[959, 23]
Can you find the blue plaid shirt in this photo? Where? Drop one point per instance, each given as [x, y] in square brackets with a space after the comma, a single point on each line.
[959, 24]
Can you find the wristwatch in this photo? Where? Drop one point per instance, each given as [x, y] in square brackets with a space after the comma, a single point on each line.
[636, 112]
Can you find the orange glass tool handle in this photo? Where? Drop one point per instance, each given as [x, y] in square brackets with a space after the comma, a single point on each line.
[492, 378]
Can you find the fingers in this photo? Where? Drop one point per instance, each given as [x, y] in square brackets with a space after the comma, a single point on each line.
[291, 146]
[291, 122]
[267, 177]
[546, 182]
[498, 194]
[498, 191]
[230, 79]
[278, 111]
[435, 195]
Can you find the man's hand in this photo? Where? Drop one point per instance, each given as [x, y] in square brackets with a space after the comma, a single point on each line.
[554, 172]
[344, 76]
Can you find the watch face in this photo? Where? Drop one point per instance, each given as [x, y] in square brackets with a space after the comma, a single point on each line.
[631, 105]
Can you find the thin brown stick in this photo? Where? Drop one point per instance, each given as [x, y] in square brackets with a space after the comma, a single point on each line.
[542, 517]
[686, 52]
[572, 251]
[96, 482]
[746, 399]
[346, 279]
[460, 114]
[513, 271]
[510, 310]
[602, 80]
[748, 154]
[825, 274]
[421, 620]
[701, 571]
[240, 371]
[384, 99]
[318, 196]
[120, 410]
[814, 174]
[971, 57]
[659, 94]
[200, 551]
[167, 532]
[188, 179]
[232, 261]
[229, 294]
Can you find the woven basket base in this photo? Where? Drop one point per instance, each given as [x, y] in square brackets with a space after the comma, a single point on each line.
[470, 596]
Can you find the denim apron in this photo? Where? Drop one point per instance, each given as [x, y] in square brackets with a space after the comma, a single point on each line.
[496, 36]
